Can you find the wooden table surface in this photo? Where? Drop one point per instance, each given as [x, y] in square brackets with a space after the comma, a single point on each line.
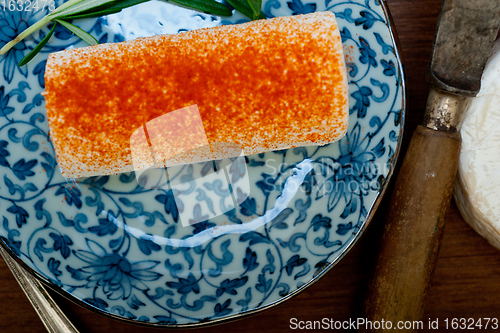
[466, 282]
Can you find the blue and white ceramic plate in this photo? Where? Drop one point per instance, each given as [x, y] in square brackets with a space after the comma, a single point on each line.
[124, 249]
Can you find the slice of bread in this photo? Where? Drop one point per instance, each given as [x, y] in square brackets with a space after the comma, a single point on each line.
[263, 85]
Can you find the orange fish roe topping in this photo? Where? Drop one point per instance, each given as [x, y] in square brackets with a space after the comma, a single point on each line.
[264, 85]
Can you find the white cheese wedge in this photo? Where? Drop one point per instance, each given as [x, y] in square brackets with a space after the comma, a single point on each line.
[477, 187]
[174, 99]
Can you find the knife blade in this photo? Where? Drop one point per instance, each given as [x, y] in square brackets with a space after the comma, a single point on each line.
[462, 44]
[414, 225]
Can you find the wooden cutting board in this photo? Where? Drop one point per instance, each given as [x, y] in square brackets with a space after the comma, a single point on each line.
[466, 283]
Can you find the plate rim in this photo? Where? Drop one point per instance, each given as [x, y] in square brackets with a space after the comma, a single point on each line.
[328, 268]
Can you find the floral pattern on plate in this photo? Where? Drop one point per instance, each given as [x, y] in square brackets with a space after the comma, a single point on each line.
[205, 242]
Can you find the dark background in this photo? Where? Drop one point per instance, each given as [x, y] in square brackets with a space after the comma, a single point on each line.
[466, 282]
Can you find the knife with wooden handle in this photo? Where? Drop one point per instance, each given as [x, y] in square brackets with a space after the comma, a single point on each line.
[413, 231]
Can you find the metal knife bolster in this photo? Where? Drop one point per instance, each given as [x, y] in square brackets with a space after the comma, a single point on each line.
[465, 34]
[444, 111]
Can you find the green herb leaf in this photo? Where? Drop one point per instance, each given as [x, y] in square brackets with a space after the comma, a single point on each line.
[117, 7]
[206, 6]
[90, 14]
[243, 7]
[64, 6]
[85, 36]
[84, 6]
[256, 5]
[24, 34]
[122, 4]
[96, 8]
[78, 9]
[38, 25]
[27, 58]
